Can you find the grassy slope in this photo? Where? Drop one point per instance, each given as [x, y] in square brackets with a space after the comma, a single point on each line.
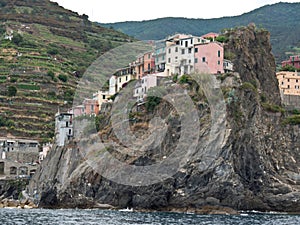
[53, 40]
[281, 19]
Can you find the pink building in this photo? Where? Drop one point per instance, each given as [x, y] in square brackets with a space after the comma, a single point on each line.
[77, 110]
[210, 35]
[209, 58]
[91, 107]
[293, 61]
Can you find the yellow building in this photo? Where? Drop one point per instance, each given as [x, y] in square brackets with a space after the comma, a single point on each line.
[289, 83]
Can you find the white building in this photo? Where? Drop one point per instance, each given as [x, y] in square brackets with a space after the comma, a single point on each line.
[228, 66]
[63, 128]
[144, 84]
[180, 53]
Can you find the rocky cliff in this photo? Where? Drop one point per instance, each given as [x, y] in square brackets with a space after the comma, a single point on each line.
[242, 157]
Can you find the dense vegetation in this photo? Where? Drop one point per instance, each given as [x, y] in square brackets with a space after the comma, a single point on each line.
[281, 19]
[40, 65]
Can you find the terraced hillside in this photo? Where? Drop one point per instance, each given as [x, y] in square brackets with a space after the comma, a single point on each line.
[44, 50]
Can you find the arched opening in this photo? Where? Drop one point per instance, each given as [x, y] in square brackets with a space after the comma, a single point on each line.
[23, 170]
[13, 170]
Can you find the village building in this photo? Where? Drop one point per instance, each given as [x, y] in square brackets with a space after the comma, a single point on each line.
[143, 85]
[77, 110]
[19, 157]
[160, 56]
[143, 65]
[91, 106]
[289, 82]
[292, 61]
[63, 128]
[227, 65]
[211, 36]
[289, 86]
[119, 80]
[209, 58]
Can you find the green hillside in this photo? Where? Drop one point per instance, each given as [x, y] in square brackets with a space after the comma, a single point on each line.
[41, 65]
[281, 19]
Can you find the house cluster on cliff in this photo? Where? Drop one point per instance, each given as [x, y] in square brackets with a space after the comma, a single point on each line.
[176, 55]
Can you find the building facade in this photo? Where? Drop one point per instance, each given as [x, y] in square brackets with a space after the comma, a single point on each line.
[209, 58]
[289, 82]
[63, 128]
[292, 61]
[19, 157]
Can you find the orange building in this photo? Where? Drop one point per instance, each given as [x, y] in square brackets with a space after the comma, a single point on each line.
[91, 107]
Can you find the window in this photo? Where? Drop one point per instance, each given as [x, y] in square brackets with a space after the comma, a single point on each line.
[186, 44]
[149, 56]
[70, 131]
[92, 108]
[67, 124]
[169, 51]
[126, 78]
[182, 51]
[169, 60]
[13, 170]
[196, 50]
[288, 86]
[296, 81]
[120, 79]
[203, 59]
[103, 96]
[191, 41]
[148, 66]
[282, 83]
[219, 62]
[196, 60]
[288, 80]
[219, 53]
[176, 49]
[190, 50]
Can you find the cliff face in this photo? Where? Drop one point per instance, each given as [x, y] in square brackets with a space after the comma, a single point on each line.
[251, 163]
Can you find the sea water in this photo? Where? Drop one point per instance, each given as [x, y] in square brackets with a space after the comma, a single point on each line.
[107, 217]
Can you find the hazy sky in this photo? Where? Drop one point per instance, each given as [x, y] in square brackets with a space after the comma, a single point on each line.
[106, 11]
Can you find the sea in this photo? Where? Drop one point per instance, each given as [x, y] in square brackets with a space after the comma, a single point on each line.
[128, 217]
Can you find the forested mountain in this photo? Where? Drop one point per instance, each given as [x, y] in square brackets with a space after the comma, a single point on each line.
[44, 50]
[281, 19]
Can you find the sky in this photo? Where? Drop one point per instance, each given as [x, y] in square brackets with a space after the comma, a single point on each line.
[109, 11]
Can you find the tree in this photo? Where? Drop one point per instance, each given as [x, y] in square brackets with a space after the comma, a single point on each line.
[12, 91]
[17, 39]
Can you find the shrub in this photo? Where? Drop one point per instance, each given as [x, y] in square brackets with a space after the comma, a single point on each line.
[222, 39]
[51, 74]
[288, 68]
[63, 77]
[272, 108]
[52, 51]
[293, 120]
[12, 91]
[152, 102]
